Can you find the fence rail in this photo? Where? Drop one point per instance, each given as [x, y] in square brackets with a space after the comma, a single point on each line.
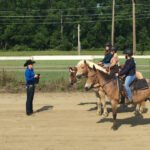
[64, 57]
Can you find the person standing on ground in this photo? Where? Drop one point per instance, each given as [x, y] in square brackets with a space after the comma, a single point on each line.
[30, 85]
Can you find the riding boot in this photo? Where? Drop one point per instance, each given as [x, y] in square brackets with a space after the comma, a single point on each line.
[129, 101]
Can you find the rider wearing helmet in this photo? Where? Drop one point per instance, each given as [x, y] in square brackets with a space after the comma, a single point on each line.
[129, 70]
[106, 61]
[114, 62]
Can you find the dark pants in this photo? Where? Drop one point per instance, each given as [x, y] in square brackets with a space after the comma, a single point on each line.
[30, 96]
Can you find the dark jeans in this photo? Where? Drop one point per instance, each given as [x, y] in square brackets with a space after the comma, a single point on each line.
[30, 95]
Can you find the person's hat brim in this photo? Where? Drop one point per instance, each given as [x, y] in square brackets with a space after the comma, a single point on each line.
[29, 62]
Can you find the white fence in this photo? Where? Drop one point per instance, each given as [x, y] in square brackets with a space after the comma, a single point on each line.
[68, 57]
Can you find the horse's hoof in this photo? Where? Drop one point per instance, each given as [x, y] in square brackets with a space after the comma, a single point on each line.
[137, 113]
[143, 111]
[99, 113]
[105, 115]
[114, 127]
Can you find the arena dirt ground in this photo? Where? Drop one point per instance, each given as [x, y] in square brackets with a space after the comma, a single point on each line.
[68, 121]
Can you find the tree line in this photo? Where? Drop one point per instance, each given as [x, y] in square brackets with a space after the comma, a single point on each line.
[51, 24]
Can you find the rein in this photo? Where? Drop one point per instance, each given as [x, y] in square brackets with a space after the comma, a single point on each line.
[107, 83]
[99, 85]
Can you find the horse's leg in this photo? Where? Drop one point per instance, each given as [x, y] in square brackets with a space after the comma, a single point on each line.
[105, 112]
[114, 112]
[142, 108]
[99, 104]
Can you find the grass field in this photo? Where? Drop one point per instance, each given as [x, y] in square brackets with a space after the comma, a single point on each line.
[51, 70]
[57, 52]
[54, 74]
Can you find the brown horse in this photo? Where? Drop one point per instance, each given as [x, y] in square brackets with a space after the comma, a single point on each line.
[73, 71]
[110, 87]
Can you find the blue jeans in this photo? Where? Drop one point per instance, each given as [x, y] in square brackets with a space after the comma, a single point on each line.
[128, 81]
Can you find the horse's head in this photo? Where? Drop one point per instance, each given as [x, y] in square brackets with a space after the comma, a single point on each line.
[82, 69]
[92, 78]
[73, 71]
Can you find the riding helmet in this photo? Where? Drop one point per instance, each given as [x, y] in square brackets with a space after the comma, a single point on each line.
[113, 48]
[108, 46]
[128, 51]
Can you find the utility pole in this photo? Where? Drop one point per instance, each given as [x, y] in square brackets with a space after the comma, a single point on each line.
[134, 26]
[79, 44]
[61, 22]
[113, 24]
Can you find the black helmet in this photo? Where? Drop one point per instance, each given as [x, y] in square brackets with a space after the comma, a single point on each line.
[113, 48]
[128, 51]
[108, 44]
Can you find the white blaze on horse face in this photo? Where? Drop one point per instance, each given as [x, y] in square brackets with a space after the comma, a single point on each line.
[81, 70]
[88, 85]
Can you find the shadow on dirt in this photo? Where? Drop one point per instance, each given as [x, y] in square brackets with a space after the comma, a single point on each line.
[44, 108]
[133, 121]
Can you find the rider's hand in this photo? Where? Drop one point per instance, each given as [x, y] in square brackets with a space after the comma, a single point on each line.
[117, 74]
[36, 76]
[99, 63]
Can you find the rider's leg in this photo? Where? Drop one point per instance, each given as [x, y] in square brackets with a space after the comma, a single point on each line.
[128, 81]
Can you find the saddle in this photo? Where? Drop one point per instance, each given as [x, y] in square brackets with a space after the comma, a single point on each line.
[139, 84]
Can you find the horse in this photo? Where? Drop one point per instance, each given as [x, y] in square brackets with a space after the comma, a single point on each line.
[110, 87]
[73, 71]
[82, 69]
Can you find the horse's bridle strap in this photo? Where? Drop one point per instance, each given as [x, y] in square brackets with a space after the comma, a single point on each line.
[107, 83]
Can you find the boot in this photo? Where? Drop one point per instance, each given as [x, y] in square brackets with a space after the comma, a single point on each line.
[129, 101]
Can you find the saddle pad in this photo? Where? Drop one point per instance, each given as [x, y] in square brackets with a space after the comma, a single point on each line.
[140, 84]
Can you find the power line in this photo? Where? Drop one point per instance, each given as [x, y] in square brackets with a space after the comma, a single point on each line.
[82, 8]
[76, 22]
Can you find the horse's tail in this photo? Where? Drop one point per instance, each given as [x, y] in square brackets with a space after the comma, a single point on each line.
[139, 75]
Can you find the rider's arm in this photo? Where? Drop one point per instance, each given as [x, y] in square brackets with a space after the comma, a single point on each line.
[127, 67]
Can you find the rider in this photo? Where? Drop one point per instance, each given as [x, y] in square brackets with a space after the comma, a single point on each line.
[114, 62]
[129, 70]
[106, 61]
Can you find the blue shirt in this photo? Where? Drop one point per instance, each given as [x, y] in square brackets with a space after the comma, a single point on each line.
[107, 58]
[29, 76]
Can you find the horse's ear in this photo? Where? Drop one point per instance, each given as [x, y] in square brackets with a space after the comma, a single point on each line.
[85, 62]
[75, 68]
[94, 68]
[70, 69]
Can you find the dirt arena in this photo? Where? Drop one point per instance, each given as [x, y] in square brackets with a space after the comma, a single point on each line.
[68, 121]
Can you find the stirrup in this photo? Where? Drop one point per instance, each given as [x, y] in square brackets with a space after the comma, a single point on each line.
[128, 102]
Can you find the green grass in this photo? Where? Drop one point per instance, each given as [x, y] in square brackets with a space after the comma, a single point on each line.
[54, 70]
[54, 74]
[57, 52]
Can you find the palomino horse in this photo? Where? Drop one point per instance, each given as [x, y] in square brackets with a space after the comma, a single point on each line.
[110, 87]
[82, 70]
[99, 94]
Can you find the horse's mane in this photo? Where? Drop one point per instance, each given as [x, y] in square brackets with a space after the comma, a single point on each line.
[91, 64]
[106, 76]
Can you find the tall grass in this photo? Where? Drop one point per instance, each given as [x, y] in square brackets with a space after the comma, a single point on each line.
[10, 83]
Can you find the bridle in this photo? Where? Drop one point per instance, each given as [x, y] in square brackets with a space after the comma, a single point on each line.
[103, 85]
